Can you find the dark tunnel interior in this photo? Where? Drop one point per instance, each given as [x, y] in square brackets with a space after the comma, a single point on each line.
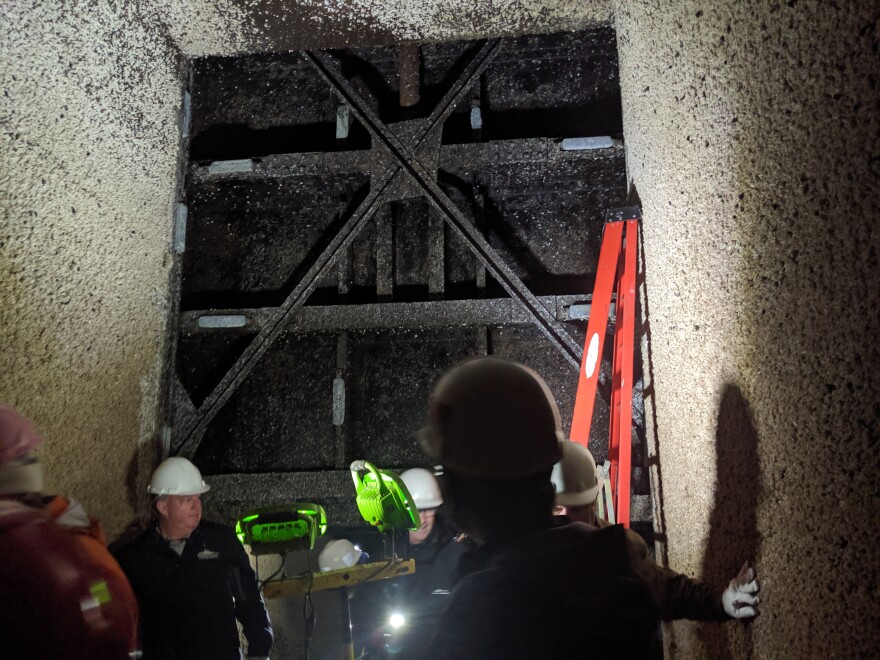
[278, 168]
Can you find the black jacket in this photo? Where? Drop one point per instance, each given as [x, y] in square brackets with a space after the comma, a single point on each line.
[426, 591]
[189, 603]
[567, 592]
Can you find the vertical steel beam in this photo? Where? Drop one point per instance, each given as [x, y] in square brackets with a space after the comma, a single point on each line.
[436, 254]
[409, 74]
[385, 253]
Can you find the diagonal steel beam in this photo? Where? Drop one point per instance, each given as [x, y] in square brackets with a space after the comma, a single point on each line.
[275, 325]
[408, 162]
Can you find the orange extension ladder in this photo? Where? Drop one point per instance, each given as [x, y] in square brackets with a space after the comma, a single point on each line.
[617, 265]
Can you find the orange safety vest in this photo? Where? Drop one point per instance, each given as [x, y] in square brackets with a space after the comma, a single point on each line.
[92, 540]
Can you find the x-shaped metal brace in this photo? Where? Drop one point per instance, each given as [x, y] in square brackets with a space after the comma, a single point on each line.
[405, 165]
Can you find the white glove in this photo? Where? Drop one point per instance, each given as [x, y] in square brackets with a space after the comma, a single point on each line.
[739, 598]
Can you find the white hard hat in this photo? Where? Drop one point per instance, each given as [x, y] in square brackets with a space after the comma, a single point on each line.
[575, 476]
[423, 487]
[493, 418]
[177, 476]
[339, 553]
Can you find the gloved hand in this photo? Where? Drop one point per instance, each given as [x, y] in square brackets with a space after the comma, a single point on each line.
[739, 598]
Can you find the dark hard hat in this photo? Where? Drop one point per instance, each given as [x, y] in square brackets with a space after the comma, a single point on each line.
[493, 418]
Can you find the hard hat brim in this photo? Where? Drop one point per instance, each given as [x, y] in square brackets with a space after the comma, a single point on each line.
[204, 488]
[580, 499]
[430, 443]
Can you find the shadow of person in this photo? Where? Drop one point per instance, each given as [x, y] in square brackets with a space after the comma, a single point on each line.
[137, 477]
[733, 533]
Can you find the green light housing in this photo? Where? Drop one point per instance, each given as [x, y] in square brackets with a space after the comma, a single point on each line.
[383, 499]
[284, 528]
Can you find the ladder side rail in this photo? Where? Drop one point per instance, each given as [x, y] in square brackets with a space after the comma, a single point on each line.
[591, 363]
[625, 344]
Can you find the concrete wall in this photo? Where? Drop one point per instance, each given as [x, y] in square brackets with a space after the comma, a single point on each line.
[89, 115]
[226, 27]
[752, 141]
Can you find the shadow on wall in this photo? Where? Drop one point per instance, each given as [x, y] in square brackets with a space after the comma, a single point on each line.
[733, 533]
[137, 477]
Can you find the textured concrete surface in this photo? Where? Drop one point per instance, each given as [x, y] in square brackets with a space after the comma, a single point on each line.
[226, 27]
[751, 131]
[89, 105]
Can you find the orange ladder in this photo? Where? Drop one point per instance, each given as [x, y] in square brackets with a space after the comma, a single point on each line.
[617, 265]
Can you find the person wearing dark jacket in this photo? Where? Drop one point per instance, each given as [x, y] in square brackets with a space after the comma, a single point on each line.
[192, 578]
[677, 596]
[437, 549]
[540, 589]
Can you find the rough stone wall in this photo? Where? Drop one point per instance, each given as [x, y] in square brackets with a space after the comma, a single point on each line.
[89, 116]
[752, 141]
[226, 27]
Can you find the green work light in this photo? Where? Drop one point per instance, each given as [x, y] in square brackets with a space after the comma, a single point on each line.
[383, 498]
[284, 528]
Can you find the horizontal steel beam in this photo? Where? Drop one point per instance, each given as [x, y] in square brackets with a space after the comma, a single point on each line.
[233, 494]
[379, 316]
[453, 157]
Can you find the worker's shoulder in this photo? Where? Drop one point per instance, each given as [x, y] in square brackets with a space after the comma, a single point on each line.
[578, 532]
[635, 543]
[606, 549]
[132, 551]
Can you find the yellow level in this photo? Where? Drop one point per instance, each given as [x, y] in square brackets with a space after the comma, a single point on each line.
[342, 577]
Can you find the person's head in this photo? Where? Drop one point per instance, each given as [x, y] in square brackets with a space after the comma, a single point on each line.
[20, 473]
[577, 483]
[494, 426]
[177, 486]
[425, 491]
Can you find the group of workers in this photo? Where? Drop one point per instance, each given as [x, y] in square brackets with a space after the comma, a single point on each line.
[527, 572]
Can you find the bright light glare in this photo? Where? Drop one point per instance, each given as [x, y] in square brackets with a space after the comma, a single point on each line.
[397, 620]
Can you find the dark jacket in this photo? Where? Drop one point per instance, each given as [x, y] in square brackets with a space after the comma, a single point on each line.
[677, 596]
[568, 592]
[189, 603]
[423, 595]
[437, 561]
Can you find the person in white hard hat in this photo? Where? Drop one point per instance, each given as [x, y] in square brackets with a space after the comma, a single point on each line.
[418, 599]
[192, 577]
[539, 589]
[677, 596]
[425, 491]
